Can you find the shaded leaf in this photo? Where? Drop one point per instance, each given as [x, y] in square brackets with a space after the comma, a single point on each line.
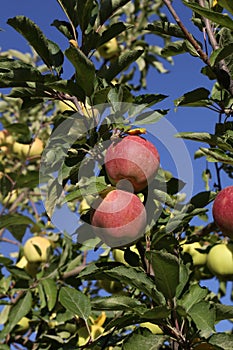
[85, 70]
[223, 312]
[70, 7]
[222, 340]
[166, 28]
[194, 295]
[217, 155]
[107, 8]
[166, 270]
[197, 97]
[9, 220]
[150, 117]
[118, 302]
[173, 48]
[204, 317]
[50, 289]
[64, 27]
[143, 339]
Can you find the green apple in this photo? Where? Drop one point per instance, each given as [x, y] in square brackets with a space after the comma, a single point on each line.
[22, 326]
[154, 328]
[112, 287]
[30, 268]
[220, 260]
[199, 259]
[118, 254]
[6, 140]
[37, 249]
[109, 49]
[83, 335]
[29, 150]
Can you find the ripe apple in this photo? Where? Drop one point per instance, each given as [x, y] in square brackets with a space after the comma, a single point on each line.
[154, 328]
[222, 211]
[112, 287]
[22, 326]
[133, 158]
[199, 259]
[37, 249]
[119, 219]
[109, 49]
[29, 150]
[220, 260]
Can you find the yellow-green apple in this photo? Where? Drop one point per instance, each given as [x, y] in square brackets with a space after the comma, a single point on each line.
[10, 198]
[22, 326]
[37, 249]
[109, 49]
[112, 287]
[28, 150]
[133, 158]
[83, 335]
[222, 211]
[199, 259]
[30, 268]
[6, 140]
[220, 260]
[119, 219]
[118, 254]
[154, 328]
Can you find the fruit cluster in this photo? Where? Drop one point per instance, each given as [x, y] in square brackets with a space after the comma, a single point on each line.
[120, 218]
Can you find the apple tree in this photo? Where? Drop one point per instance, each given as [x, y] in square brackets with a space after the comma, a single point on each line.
[107, 252]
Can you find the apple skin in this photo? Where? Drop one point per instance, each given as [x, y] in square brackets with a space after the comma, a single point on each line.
[118, 254]
[29, 150]
[154, 328]
[37, 249]
[119, 219]
[222, 211]
[109, 49]
[199, 259]
[220, 261]
[133, 158]
[30, 268]
[112, 287]
[22, 326]
[96, 331]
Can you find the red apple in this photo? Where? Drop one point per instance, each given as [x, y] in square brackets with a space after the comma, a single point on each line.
[119, 219]
[133, 158]
[222, 211]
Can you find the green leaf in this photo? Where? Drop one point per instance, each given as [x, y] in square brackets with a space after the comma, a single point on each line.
[216, 17]
[222, 340]
[223, 312]
[85, 69]
[149, 99]
[184, 277]
[221, 54]
[68, 87]
[70, 7]
[204, 317]
[173, 48]
[194, 295]
[217, 155]
[75, 301]
[166, 28]
[111, 32]
[84, 13]
[197, 97]
[64, 27]
[202, 199]
[118, 302]
[50, 290]
[122, 62]
[107, 8]
[150, 117]
[142, 338]
[226, 4]
[9, 220]
[18, 310]
[127, 275]
[49, 52]
[166, 270]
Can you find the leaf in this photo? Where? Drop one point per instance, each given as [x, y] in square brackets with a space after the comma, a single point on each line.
[70, 7]
[111, 32]
[228, 5]
[107, 8]
[166, 28]
[150, 117]
[64, 27]
[194, 295]
[142, 338]
[75, 301]
[18, 310]
[85, 69]
[202, 199]
[217, 155]
[149, 99]
[68, 87]
[50, 290]
[9, 220]
[222, 340]
[166, 270]
[173, 48]
[223, 312]
[204, 317]
[127, 275]
[122, 62]
[216, 17]
[221, 54]
[84, 13]
[197, 97]
[118, 302]
[49, 52]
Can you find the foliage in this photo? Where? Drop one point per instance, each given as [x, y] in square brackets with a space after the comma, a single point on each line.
[62, 296]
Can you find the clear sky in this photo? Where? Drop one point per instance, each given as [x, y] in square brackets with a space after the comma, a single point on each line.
[183, 76]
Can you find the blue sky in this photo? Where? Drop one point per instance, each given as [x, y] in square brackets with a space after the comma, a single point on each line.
[183, 76]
